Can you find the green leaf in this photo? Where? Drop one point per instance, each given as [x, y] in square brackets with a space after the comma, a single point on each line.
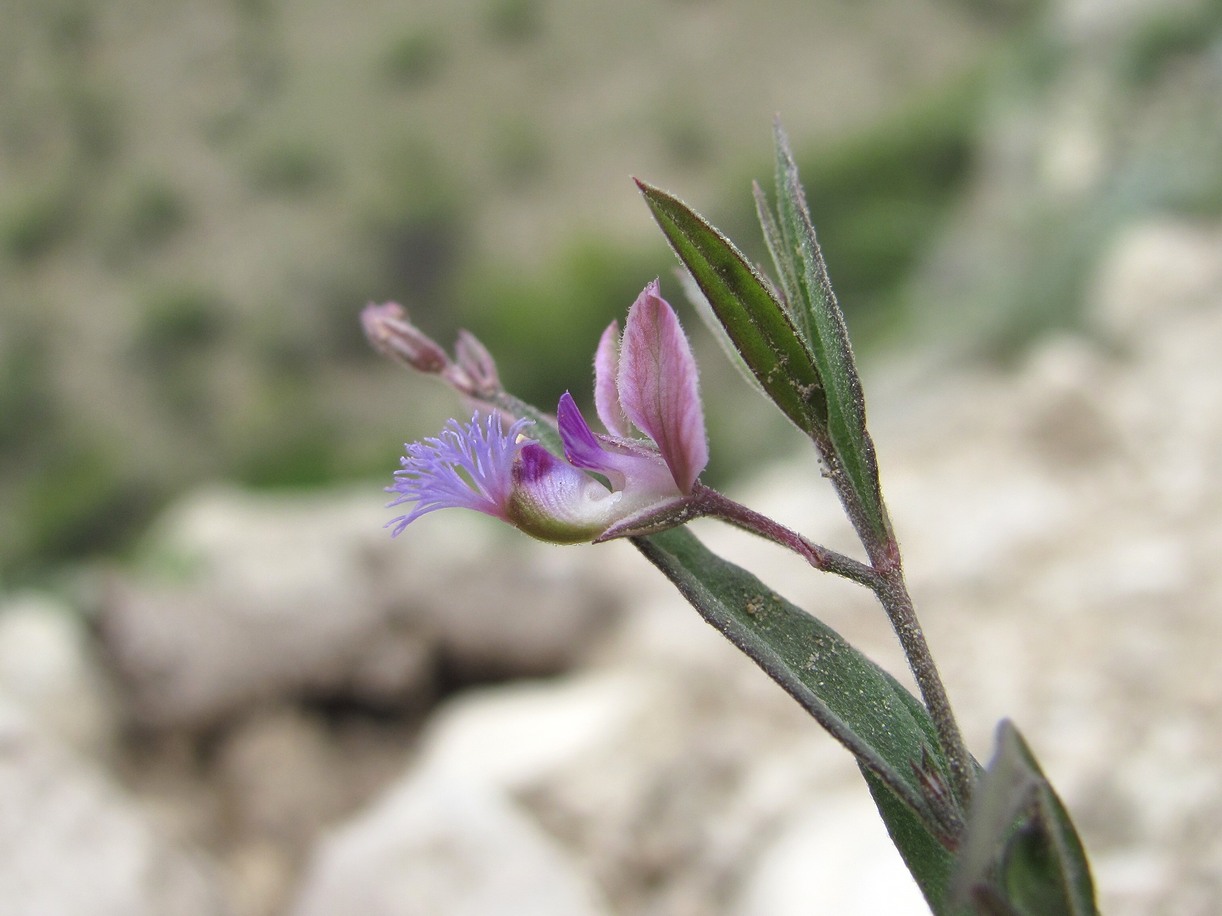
[800, 258]
[784, 262]
[747, 308]
[708, 318]
[861, 705]
[1021, 851]
[927, 859]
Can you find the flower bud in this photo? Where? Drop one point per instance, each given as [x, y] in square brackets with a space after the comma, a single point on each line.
[392, 334]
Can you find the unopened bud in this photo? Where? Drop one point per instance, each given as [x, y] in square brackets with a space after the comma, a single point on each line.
[392, 334]
[476, 365]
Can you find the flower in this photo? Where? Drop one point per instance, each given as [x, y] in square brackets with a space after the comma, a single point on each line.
[607, 485]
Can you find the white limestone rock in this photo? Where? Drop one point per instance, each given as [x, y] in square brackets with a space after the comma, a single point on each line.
[267, 597]
[71, 844]
[440, 847]
[48, 667]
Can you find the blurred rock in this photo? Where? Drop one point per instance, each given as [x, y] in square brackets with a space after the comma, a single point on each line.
[72, 845]
[1156, 271]
[263, 597]
[49, 668]
[660, 783]
[282, 776]
[277, 776]
[450, 837]
[505, 607]
[676, 810]
[833, 850]
[438, 848]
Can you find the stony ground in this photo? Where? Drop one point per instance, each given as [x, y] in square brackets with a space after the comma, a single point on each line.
[281, 710]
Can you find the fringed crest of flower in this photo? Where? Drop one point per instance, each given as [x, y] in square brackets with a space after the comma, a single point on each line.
[469, 466]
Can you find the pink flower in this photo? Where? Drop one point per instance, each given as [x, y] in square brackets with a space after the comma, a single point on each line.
[637, 477]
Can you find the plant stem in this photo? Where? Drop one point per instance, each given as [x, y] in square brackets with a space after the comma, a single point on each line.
[892, 594]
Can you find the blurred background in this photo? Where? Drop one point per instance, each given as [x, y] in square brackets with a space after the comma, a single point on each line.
[197, 199]
[196, 202]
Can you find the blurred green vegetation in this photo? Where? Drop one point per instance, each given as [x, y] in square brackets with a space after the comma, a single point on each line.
[514, 21]
[414, 59]
[202, 198]
[34, 224]
[881, 197]
[1171, 34]
[151, 213]
[288, 168]
[874, 193]
[1148, 144]
[589, 285]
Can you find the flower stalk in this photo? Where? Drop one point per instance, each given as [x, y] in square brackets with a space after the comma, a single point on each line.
[711, 503]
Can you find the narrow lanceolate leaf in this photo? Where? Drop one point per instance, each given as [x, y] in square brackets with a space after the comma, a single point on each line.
[862, 706]
[801, 261]
[708, 318]
[785, 262]
[1021, 853]
[754, 319]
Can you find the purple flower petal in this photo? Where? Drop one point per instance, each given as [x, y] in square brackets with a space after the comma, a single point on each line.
[628, 464]
[581, 446]
[606, 385]
[658, 386]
